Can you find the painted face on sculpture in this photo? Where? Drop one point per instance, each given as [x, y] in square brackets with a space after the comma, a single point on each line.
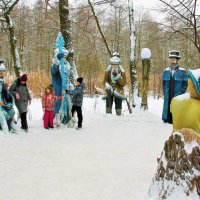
[115, 66]
[2, 74]
[173, 60]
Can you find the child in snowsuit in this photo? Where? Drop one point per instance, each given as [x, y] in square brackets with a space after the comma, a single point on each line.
[77, 100]
[48, 107]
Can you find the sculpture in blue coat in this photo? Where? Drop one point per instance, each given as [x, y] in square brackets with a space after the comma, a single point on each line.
[174, 83]
[60, 72]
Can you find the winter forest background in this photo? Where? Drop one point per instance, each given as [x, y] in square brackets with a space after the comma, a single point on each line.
[37, 25]
[112, 157]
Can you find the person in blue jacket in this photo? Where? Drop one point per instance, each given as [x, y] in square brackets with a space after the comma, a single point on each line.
[77, 100]
[174, 83]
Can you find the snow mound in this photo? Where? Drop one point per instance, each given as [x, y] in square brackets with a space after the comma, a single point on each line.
[178, 171]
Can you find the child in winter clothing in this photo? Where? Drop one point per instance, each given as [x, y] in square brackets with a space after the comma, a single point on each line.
[48, 107]
[77, 100]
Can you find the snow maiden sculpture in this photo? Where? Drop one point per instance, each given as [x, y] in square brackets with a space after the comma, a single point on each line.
[60, 72]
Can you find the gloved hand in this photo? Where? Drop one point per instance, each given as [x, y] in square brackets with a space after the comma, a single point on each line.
[115, 72]
[17, 96]
[117, 77]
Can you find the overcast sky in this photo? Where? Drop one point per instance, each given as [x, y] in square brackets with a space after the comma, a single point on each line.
[147, 3]
[150, 5]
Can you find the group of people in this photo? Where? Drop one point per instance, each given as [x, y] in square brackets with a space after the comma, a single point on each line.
[56, 100]
[17, 94]
[57, 97]
[48, 105]
[61, 100]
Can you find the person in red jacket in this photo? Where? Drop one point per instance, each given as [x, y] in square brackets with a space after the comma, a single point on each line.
[48, 107]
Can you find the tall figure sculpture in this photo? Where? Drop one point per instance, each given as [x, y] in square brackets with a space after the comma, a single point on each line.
[60, 71]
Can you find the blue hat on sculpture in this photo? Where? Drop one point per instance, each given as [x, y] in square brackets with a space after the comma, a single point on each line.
[115, 60]
[174, 54]
[2, 66]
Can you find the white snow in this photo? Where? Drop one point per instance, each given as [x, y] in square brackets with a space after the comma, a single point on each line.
[196, 73]
[185, 96]
[112, 157]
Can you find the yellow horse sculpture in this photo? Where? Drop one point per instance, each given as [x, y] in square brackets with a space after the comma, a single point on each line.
[185, 108]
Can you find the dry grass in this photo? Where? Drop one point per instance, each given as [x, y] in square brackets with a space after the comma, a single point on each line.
[37, 82]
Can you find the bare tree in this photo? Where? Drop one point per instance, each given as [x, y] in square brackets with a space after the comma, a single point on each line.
[132, 65]
[7, 6]
[183, 18]
[99, 28]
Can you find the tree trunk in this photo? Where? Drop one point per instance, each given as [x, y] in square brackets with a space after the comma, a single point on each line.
[13, 45]
[133, 69]
[65, 30]
[12, 38]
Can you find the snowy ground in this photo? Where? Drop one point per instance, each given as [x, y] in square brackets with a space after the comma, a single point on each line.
[111, 158]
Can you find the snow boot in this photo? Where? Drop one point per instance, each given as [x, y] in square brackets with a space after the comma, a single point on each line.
[118, 111]
[78, 127]
[108, 110]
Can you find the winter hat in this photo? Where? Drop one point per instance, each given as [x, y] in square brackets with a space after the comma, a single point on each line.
[80, 79]
[2, 66]
[115, 60]
[115, 54]
[50, 87]
[174, 54]
[24, 78]
[194, 82]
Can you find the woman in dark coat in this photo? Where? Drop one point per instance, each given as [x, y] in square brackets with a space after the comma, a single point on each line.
[22, 97]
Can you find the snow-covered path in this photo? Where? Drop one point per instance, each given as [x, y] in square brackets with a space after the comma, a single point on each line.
[111, 158]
